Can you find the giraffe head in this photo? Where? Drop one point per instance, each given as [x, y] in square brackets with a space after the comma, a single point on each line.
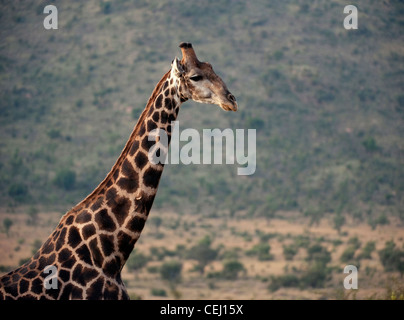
[197, 80]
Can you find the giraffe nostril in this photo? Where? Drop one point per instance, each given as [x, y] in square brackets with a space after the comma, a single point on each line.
[231, 97]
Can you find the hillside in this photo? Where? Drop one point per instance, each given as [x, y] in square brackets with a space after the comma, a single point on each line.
[327, 103]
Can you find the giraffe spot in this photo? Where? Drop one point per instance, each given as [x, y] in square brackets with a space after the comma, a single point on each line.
[171, 117]
[141, 160]
[96, 253]
[69, 220]
[158, 103]
[37, 286]
[95, 290]
[111, 291]
[164, 117]
[150, 112]
[23, 270]
[98, 203]
[136, 224]
[131, 182]
[83, 217]
[112, 267]
[134, 148]
[104, 221]
[125, 244]
[83, 275]
[156, 116]
[64, 255]
[55, 235]
[42, 263]
[151, 178]
[88, 231]
[23, 285]
[127, 168]
[168, 103]
[146, 144]
[119, 205]
[29, 275]
[54, 293]
[74, 237]
[144, 204]
[142, 130]
[70, 291]
[107, 244]
[84, 254]
[47, 247]
[116, 174]
[32, 265]
[64, 275]
[151, 125]
[69, 262]
[61, 239]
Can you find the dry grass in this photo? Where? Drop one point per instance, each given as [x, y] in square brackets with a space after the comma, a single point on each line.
[239, 234]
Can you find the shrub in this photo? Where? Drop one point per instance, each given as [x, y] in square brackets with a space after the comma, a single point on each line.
[261, 250]
[171, 271]
[158, 292]
[7, 223]
[315, 276]
[18, 191]
[367, 250]
[203, 253]
[136, 261]
[287, 281]
[392, 258]
[318, 253]
[231, 269]
[289, 252]
[65, 178]
[348, 254]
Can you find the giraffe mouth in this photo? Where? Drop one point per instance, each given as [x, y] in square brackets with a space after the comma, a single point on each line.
[229, 107]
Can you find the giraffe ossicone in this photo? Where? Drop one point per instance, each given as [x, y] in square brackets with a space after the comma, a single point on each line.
[93, 240]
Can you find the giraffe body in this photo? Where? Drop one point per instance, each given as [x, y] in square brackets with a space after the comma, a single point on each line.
[94, 239]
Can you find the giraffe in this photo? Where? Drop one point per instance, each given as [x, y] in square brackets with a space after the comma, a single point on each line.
[94, 239]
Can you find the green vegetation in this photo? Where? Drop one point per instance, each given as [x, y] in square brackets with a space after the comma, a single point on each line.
[326, 103]
[136, 261]
[392, 258]
[203, 253]
[7, 223]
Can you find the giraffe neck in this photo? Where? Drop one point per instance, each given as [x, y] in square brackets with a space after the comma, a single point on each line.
[121, 204]
[93, 240]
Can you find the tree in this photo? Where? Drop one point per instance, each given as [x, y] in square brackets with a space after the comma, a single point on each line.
[136, 261]
[392, 258]
[65, 178]
[339, 221]
[231, 269]
[7, 223]
[171, 272]
[203, 253]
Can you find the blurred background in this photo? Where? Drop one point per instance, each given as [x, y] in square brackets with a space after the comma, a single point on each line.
[327, 104]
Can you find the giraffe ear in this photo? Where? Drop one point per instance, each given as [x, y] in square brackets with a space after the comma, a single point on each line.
[177, 67]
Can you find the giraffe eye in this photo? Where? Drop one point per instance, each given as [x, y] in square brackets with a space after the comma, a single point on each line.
[196, 78]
